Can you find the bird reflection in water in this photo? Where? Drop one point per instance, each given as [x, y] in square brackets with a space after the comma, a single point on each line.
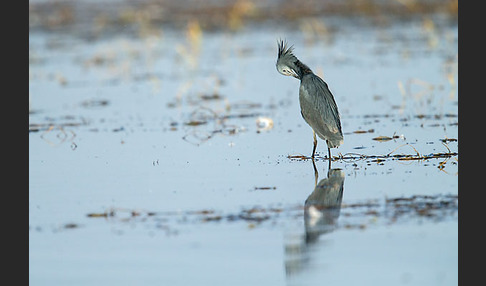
[323, 205]
[321, 212]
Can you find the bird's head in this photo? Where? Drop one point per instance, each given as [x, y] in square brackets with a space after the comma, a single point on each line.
[286, 60]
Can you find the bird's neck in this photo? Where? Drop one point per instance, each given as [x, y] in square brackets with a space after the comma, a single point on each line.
[302, 69]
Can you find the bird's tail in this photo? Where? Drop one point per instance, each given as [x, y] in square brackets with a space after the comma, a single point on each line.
[333, 143]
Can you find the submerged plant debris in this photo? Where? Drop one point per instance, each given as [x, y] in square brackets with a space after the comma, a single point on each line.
[353, 215]
[358, 157]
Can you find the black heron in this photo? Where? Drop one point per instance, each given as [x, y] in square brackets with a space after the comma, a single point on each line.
[317, 104]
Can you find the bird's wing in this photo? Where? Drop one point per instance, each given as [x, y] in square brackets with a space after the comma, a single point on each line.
[323, 103]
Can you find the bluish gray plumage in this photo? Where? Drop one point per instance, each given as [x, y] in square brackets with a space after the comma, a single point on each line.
[317, 104]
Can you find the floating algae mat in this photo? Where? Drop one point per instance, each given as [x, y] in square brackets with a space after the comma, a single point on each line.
[177, 155]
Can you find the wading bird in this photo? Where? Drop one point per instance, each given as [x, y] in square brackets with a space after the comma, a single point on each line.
[317, 104]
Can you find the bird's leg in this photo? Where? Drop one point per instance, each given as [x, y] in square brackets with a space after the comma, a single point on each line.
[329, 154]
[328, 150]
[329, 167]
[315, 144]
[316, 173]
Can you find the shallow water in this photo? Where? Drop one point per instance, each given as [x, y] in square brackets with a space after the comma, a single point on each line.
[149, 159]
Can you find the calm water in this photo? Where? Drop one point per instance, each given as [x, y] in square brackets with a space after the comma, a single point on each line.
[150, 161]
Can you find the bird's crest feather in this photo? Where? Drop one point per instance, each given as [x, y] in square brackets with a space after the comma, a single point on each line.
[284, 49]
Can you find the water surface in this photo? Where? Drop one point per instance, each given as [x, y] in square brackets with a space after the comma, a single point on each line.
[151, 160]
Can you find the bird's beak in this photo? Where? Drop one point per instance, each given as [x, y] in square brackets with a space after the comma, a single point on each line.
[294, 74]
